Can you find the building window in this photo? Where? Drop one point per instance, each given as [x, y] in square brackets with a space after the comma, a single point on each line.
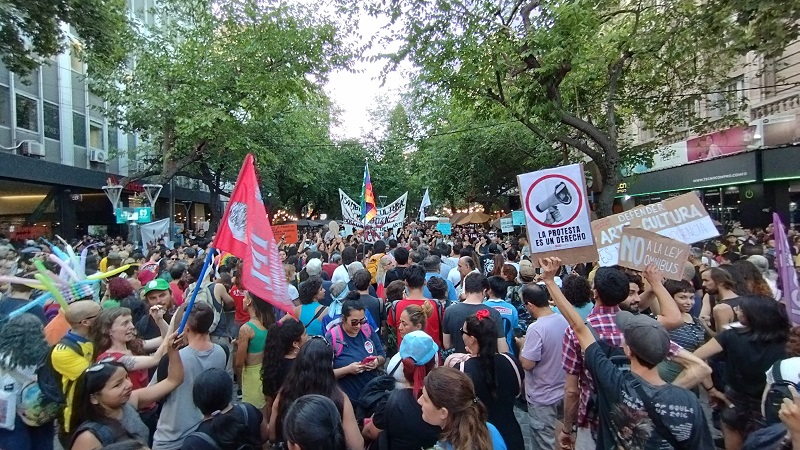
[79, 129]
[5, 107]
[113, 142]
[75, 61]
[52, 127]
[728, 99]
[95, 135]
[27, 113]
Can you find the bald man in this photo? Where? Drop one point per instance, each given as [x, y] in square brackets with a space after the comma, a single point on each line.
[74, 353]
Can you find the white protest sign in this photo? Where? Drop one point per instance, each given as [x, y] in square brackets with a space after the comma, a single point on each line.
[389, 217]
[681, 218]
[557, 213]
[639, 248]
[507, 225]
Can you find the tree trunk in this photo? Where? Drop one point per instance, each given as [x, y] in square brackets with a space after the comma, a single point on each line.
[611, 180]
[215, 205]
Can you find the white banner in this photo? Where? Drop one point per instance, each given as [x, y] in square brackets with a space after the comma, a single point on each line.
[389, 217]
[153, 232]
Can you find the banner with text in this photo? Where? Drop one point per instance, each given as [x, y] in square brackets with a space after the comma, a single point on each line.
[389, 217]
[639, 248]
[681, 218]
[557, 214]
[287, 232]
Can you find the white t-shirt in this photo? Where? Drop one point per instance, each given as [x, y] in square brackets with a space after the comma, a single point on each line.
[293, 293]
[790, 371]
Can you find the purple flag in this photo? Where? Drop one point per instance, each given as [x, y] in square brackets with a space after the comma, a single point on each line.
[783, 263]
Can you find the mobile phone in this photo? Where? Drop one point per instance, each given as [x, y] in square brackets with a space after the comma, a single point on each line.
[369, 359]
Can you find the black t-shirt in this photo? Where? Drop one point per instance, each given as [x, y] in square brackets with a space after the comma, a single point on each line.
[253, 424]
[397, 273]
[9, 304]
[747, 361]
[401, 419]
[375, 307]
[147, 328]
[624, 421]
[501, 407]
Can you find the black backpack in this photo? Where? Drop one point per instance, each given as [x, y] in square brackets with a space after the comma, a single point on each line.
[778, 391]
[375, 394]
[51, 383]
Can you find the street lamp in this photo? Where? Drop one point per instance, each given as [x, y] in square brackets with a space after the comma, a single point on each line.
[114, 192]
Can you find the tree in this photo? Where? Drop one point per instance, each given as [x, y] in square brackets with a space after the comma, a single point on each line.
[31, 31]
[211, 83]
[581, 73]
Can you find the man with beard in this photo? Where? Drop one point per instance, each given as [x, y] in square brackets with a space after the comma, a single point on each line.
[719, 283]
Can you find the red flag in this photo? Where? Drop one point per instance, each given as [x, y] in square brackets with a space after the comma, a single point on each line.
[245, 232]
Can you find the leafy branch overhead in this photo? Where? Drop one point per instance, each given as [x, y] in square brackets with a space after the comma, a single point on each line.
[203, 87]
[585, 73]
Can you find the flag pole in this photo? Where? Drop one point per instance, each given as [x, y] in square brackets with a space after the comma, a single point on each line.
[189, 305]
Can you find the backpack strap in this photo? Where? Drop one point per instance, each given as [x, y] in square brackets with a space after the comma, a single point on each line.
[367, 330]
[516, 371]
[776, 372]
[206, 438]
[105, 433]
[662, 429]
[316, 315]
[336, 339]
[72, 345]
[244, 412]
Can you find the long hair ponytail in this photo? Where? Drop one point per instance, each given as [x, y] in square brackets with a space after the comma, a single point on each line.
[465, 427]
[484, 329]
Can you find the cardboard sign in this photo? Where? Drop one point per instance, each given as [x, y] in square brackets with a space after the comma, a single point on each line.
[289, 229]
[518, 218]
[681, 218]
[507, 225]
[639, 248]
[557, 214]
[445, 228]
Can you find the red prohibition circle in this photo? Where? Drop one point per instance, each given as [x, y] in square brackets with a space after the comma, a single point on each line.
[554, 175]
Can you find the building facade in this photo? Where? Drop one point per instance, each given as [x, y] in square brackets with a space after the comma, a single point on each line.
[57, 151]
[742, 173]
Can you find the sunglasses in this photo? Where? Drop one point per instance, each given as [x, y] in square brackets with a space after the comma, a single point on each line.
[100, 364]
[354, 322]
[463, 331]
[319, 337]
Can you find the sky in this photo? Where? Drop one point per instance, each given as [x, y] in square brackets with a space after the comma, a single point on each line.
[355, 93]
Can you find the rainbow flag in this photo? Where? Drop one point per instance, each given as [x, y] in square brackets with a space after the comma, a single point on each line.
[368, 208]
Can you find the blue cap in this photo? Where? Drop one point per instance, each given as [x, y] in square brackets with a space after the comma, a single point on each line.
[418, 346]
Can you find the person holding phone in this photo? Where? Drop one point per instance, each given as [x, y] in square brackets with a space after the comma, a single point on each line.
[357, 348]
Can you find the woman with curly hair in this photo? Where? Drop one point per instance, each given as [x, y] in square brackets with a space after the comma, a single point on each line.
[753, 279]
[22, 351]
[280, 352]
[115, 339]
[448, 401]
[312, 373]
[497, 377]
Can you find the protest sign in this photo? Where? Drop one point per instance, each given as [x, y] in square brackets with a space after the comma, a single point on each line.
[557, 214]
[518, 218]
[444, 227]
[289, 230]
[681, 218]
[507, 225]
[639, 248]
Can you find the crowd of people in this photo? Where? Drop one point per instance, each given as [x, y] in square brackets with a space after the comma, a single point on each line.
[415, 341]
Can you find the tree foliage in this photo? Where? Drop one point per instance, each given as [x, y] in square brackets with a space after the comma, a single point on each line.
[580, 73]
[30, 31]
[211, 82]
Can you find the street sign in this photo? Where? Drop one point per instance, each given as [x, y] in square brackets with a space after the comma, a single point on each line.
[137, 215]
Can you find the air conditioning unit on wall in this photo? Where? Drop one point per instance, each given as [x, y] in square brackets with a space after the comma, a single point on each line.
[30, 148]
[98, 156]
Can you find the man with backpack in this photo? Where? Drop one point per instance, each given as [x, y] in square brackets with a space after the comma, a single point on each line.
[216, 296]
[415, 281]
[624, 411]
[73, 354]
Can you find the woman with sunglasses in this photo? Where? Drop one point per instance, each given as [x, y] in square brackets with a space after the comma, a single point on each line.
[358, 349]
[312, 373]
[105, 404]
